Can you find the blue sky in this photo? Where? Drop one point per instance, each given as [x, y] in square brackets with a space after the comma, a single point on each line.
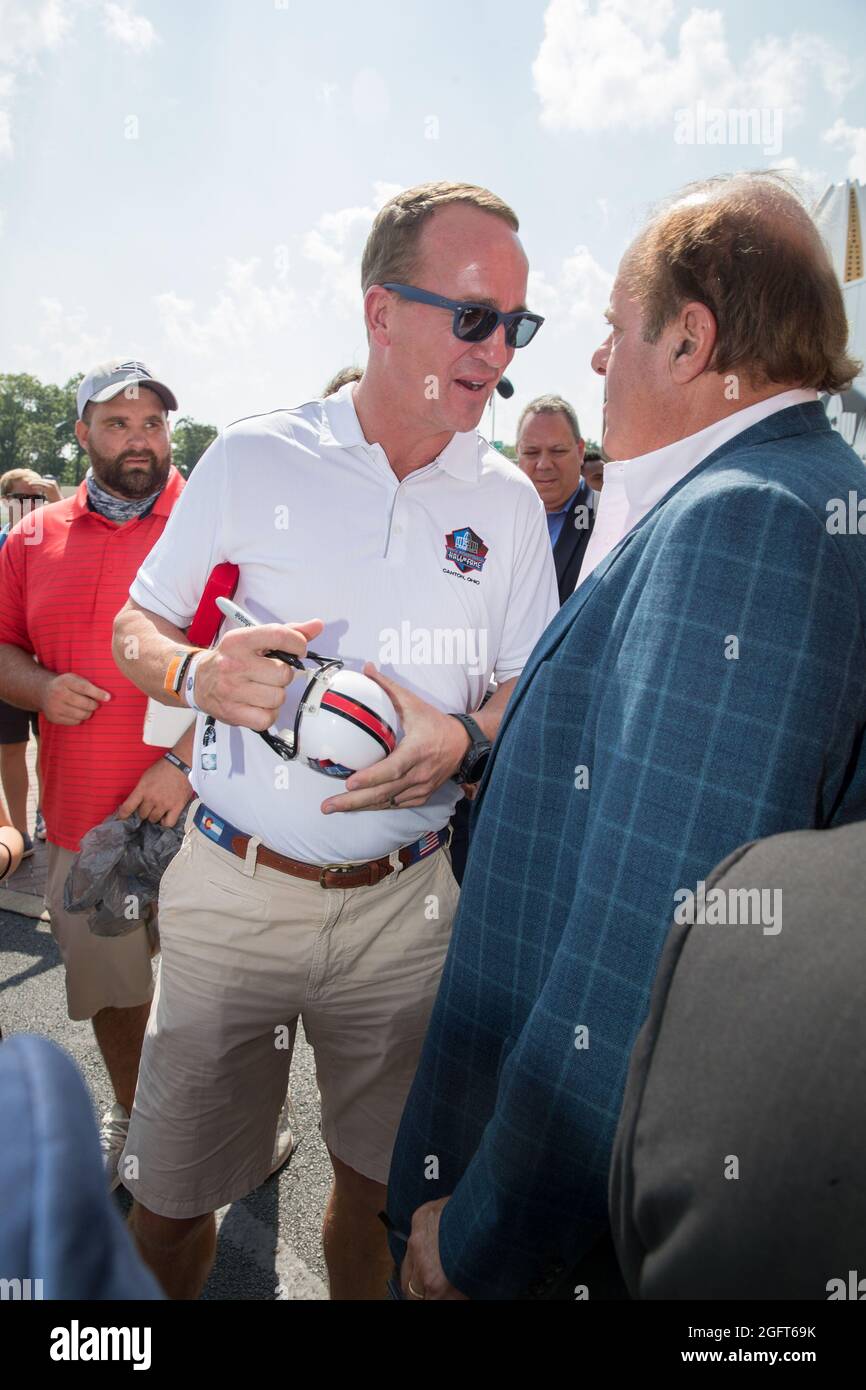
[192, 181]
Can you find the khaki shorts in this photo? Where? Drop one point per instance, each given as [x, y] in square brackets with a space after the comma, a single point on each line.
[102, 972]
[246, 951]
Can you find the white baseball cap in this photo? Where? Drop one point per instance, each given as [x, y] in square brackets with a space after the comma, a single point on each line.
[108, 379]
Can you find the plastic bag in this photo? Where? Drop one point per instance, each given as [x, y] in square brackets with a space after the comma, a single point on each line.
[116, 874]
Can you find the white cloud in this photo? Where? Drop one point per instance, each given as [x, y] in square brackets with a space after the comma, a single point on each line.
[7, 93]
[336, 244]
[31, 29]
[811, 182]
[851, 140]
[782, 72]
[26, 31]
[245, 314]
[573, 300]
[128, 28]
[610, 64]
[63, 343]
[578, 294]
[233, 355]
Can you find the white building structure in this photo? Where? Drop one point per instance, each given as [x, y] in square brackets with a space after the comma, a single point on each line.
[841, 216]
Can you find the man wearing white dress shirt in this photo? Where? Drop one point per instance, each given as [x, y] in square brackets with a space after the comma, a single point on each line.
[383, 510]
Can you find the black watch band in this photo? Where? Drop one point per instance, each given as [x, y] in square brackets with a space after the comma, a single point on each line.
[177, 762]
[472, 767]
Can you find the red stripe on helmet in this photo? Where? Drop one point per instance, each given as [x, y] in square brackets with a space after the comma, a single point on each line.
[360, 714]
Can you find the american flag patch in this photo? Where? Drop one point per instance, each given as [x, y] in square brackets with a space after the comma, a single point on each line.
[429, 845]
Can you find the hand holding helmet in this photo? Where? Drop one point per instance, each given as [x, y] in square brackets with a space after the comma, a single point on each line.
[344, 721]
[431, 749]
[238, 683]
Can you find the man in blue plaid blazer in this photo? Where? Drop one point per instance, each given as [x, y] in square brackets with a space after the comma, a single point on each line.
[704, 686]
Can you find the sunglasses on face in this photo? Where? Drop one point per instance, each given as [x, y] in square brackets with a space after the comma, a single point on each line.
[474, 322]
[34, 499]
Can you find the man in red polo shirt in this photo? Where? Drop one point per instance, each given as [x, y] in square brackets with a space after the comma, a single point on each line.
[64, 574]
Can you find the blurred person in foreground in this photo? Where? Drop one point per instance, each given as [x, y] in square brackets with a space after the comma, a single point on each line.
[739, 1156]
[61, 1235]
[703, 687]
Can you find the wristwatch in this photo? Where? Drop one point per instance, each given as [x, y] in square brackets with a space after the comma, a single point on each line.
[475, 760]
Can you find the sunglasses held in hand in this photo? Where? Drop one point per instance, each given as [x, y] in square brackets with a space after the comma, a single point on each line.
[473, 323]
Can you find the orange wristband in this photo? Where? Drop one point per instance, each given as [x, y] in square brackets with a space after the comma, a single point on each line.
[177, 668]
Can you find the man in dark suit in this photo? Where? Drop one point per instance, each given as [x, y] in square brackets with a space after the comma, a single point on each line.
[550, 452]
[703, 687]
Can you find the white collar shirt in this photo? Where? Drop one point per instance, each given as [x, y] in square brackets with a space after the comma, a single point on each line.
[632, 487]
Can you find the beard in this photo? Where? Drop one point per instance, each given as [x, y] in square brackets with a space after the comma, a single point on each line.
[132, 483]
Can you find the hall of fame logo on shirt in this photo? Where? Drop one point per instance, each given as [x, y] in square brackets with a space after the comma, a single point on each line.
[466, 550]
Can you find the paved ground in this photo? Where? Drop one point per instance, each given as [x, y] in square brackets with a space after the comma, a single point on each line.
[269, 1243]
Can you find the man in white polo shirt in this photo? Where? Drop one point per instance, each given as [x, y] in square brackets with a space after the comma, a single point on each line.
[384, 511]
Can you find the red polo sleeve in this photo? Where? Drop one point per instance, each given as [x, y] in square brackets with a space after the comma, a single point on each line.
[13, 593]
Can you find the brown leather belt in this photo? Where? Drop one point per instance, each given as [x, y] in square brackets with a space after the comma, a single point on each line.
[328, 875]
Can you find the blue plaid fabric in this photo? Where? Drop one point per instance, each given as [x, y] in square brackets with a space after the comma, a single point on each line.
[689, 752]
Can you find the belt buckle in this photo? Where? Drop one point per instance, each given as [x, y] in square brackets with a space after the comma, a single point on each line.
[333, 869]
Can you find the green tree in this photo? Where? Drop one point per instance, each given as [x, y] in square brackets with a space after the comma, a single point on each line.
[37, 427]
[189, 439]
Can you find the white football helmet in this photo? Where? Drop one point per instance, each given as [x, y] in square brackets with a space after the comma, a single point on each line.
[344, 722]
